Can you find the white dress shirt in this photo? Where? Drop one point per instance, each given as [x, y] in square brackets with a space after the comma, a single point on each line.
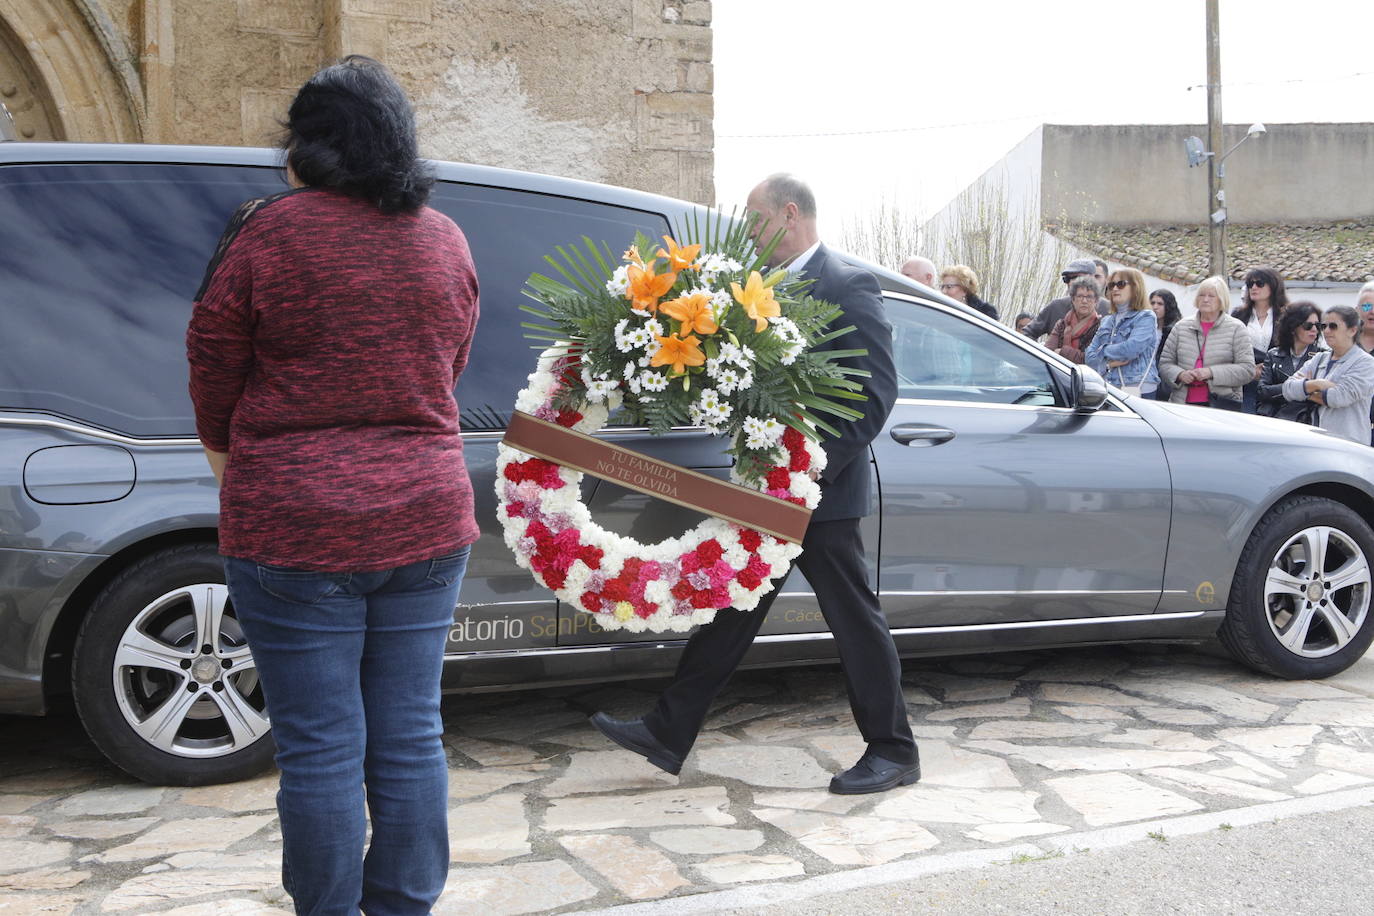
[796, 264]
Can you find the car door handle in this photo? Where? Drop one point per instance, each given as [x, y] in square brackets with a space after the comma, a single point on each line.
[915, 434]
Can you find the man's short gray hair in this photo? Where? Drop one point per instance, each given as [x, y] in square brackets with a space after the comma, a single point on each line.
[783, 188]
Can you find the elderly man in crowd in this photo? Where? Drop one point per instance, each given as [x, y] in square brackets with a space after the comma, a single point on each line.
[920, 269]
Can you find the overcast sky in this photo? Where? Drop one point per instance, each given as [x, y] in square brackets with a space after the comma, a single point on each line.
[955, 85]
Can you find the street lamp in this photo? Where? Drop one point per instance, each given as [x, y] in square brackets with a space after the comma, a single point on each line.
[1198, 154]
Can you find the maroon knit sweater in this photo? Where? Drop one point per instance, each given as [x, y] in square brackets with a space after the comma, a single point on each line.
[324, 347]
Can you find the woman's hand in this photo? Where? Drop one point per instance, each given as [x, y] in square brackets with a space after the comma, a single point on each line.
[1192, 376]
[1316, 389]
[1116, 363]
[1259, 368]
[218, 462]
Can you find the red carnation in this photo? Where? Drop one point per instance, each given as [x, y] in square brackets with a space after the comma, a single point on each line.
[709, 551]
[801, 461]
[750, 539]
[793, 439]
[778, 479]
[681, 591]
[568, 417]
[702, 599]
[591, 601]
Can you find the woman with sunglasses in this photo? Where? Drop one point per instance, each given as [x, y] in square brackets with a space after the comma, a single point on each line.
[1341, 382]
[1299, 337]
[1364, 304]
[1263, 299]
[1208, 358]
[1123, 349]
[961, 283]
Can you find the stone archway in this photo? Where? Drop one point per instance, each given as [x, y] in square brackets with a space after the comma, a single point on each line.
[65, 73]
[23, 92]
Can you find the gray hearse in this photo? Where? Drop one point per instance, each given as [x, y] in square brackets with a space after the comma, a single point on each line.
[1022, 502]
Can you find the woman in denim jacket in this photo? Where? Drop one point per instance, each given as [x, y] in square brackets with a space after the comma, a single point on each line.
[1123, 349]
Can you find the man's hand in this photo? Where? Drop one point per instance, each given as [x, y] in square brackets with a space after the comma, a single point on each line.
[218, 462]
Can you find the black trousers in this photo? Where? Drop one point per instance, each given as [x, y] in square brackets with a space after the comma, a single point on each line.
[833, 562]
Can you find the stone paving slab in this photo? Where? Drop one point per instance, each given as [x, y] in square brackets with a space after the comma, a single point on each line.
[546, 816]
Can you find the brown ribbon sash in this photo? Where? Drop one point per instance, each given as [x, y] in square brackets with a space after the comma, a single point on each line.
[636, 471]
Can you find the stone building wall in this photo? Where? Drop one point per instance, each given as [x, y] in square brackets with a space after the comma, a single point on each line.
[618, 91]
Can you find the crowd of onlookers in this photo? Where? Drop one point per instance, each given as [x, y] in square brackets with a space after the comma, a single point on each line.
[1269, 356]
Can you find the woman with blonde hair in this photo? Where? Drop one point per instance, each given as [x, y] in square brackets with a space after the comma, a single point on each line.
[1123, 349]
[959, 282]
[1209, 357]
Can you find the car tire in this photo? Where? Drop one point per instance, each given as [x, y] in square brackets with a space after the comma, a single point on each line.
[163, 679]
[1284, 619]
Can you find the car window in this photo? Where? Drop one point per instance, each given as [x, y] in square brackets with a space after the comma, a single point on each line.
[98, 266]
[509, 233]
[940, 356]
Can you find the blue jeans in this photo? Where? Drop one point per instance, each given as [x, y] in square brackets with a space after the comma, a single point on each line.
[350, 666]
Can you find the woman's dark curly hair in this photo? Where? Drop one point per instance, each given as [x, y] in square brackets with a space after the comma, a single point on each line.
[1296, 314]
[1172, 313]
[351, 128]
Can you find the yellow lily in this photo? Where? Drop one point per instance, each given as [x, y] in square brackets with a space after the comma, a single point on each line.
[646, 287]
[694, 311]
[757, 299]
[679, 258]
[678, 353]
[632, 255]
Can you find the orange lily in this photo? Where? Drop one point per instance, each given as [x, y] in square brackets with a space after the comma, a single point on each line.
[632, 255]
[646, 287]
[757, 300]
[678, 353]
[679, 258]
[694, 311]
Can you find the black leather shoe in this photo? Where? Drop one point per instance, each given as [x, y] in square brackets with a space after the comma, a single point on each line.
[632, 735]
[874, 774]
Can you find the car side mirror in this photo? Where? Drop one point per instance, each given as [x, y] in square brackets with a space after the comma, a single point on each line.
[1088, 390]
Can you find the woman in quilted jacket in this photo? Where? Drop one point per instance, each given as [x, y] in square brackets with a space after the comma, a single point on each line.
[1209, 356]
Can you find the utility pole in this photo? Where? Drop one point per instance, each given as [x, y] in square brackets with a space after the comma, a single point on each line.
[1216, 195]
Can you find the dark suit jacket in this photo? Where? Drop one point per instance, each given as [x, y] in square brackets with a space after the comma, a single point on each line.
[845, 482]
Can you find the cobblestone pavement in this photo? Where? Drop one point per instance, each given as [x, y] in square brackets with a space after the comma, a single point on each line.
[547, 816]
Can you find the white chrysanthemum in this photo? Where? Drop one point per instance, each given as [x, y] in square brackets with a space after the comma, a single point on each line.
[653, 381]
[727, 380]
[619, 284]
[721, 302]
[762, 433]
[713, 265]
[623, 343]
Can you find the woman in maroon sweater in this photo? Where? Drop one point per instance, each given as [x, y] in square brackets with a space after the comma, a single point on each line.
[324, 347]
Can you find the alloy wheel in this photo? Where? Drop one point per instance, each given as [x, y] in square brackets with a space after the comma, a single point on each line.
[184, 675]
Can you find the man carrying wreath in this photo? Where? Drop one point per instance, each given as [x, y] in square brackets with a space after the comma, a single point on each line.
[832, 556]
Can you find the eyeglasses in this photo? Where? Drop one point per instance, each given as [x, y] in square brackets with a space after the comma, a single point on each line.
[1366, 306]
[1069, 278]
[1252, 283]
[1086, 297]
[1310, 325]
[949, 286]
[1330, 325]
[1119, 284]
